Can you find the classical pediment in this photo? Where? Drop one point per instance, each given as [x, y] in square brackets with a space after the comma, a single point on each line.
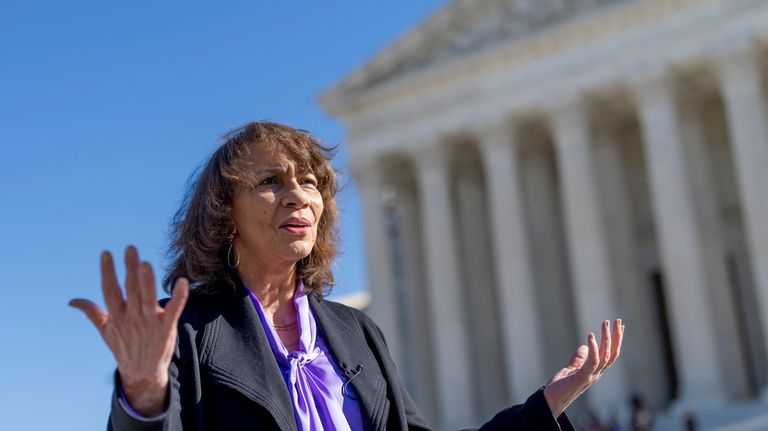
[462, 27]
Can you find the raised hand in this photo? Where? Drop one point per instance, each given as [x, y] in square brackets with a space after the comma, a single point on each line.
[140, 333]
[585, 367]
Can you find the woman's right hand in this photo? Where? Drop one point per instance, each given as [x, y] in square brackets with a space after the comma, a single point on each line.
[140, 333]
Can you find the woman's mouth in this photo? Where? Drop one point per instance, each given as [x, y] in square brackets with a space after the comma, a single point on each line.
[296, 226]
[295, 229]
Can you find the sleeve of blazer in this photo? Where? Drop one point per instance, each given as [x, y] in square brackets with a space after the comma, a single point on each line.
[532, 415]
[170, 420]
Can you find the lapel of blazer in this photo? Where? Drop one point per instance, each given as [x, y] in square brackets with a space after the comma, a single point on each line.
[349, 348]
[235, 352]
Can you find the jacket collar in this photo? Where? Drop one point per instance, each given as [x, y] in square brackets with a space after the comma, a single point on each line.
[235, 352]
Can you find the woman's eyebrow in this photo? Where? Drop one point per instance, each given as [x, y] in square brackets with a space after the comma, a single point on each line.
[305, 169]
[271, 170]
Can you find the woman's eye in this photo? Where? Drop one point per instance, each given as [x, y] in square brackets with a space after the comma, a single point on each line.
[268, 181]
[310, 181]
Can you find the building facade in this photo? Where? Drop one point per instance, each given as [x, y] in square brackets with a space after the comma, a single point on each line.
[529, 168]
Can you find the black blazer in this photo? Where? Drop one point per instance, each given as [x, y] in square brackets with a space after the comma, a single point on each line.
[224, 375]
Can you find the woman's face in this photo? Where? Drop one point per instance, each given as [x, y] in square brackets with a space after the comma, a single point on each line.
[276, 220]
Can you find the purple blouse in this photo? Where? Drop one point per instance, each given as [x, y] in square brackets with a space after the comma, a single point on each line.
[320, 399]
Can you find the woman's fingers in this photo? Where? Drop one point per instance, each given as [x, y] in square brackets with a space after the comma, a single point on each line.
[605, 346]
[110, 288]
[92, 311]
[578, 358]
[176, 304]
[147, 286]
[617, 337]
[132, 282]
[593, 357]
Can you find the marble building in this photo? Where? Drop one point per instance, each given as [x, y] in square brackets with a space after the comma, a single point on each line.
[528, 168]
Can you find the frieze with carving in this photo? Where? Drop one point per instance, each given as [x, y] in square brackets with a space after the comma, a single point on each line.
[473, 25]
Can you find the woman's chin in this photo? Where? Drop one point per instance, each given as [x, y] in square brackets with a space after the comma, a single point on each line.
[298, 250]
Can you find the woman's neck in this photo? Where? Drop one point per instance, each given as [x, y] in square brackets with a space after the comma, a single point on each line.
[274, 289]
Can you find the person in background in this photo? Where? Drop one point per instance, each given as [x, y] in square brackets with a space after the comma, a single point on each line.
[690, 421]
[247, 339]
[642, 418]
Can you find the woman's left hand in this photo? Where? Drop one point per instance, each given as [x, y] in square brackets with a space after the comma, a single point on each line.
[585, 367]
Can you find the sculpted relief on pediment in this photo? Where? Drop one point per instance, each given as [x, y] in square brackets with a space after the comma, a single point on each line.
[471, 25]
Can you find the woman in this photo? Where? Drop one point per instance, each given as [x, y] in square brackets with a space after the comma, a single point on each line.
[253, 344]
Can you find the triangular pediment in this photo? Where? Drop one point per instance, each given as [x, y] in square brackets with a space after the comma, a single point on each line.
[460, 28]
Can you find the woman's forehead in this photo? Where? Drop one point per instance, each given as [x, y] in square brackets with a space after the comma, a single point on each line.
[276, 158]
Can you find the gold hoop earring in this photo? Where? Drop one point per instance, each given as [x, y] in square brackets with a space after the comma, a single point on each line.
[231, 239]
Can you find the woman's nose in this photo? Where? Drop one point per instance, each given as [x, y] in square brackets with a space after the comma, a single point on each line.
[295, 196]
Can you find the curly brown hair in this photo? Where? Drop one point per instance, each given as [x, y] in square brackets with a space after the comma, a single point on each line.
[200, 229]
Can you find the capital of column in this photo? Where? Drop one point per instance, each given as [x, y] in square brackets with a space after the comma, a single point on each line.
[431, 158]
[651, 86]
[494, 132]
[733, 48]
[569, 120]
[738, 67]
[496, 147]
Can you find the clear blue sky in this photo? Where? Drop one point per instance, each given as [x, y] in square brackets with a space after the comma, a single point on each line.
[105, 110]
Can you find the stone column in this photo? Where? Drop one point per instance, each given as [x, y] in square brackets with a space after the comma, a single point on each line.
[587, 244]
[480, 299]
[381, 279]
[682, 250]
[449, 341]
[523, 351]
[748, 127]
[416, 298]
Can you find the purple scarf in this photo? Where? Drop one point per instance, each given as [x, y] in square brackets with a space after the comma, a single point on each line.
[309, 372]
